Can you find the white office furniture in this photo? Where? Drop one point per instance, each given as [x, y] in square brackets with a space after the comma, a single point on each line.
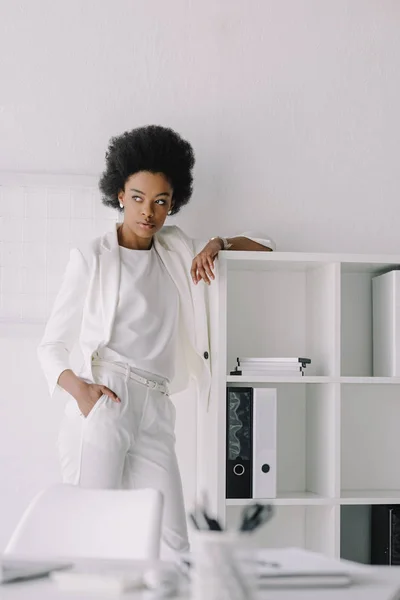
[378, 583]
[338, 427]
[67, 521]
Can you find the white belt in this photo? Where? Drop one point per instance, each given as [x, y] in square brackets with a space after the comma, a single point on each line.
[129, 374]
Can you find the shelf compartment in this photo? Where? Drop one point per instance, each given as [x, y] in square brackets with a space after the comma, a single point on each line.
[307, 421]
[285, 313]
[356, 316]
[370, 417]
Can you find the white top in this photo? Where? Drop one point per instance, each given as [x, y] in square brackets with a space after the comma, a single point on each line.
[146, 321]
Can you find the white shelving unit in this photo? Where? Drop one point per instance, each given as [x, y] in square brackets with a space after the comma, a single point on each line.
[338, 427]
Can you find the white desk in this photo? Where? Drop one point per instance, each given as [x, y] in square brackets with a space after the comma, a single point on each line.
[375, 583]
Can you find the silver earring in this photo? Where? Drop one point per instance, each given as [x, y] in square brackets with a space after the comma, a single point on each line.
[170, 212]
[121, 205]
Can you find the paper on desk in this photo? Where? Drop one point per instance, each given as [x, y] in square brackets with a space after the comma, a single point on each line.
[295, 567]
[114, 582]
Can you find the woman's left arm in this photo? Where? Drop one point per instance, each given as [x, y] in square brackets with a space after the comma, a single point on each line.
[203, 262]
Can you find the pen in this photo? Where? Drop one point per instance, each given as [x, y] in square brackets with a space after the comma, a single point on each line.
[255, 515]
[194, 520]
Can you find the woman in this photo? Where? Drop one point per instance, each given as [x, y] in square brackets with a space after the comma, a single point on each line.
[132, 300]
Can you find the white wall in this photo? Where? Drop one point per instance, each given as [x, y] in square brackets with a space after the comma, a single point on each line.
[292, 109]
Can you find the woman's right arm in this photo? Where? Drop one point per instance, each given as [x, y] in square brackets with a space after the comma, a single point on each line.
[63, 325]
[61, 333]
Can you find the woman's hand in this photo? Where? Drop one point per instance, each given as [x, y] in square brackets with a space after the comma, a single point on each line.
[203, 263]
[89, 394]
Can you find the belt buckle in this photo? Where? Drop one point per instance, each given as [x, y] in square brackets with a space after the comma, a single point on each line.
[152, 384]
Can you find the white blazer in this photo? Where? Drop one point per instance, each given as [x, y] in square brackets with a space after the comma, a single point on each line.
[85, 308]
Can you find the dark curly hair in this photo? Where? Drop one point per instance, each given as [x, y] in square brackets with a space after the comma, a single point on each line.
[151, 148]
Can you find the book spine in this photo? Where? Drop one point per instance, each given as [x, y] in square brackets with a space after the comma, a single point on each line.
[269, 373]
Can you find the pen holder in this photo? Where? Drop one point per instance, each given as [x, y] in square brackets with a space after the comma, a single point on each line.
[217, 572]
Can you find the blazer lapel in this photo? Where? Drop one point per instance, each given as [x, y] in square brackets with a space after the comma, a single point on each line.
[110, 270]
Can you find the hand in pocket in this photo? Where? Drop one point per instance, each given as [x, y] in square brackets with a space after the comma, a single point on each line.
[90, 393]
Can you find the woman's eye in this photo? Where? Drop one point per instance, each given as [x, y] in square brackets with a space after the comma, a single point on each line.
[163, 202]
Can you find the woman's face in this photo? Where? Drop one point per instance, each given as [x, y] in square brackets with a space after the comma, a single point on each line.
[147, 198]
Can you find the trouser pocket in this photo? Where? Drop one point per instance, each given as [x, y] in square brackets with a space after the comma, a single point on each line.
[96, 407]
[172, 410]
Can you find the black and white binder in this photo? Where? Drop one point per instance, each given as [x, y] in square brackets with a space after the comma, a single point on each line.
[251, 442]
[239, 442]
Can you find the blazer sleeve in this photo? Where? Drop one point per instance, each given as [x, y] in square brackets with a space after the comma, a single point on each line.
[260, 238]
[256, 236]
[62, 328]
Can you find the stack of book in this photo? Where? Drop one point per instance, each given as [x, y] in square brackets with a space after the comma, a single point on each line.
[271, 367]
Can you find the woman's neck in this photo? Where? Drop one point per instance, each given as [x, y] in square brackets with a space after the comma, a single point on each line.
[127, 239]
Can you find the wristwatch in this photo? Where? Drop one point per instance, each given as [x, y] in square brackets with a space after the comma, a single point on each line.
[225, 242]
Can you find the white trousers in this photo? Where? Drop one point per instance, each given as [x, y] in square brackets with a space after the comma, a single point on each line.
[129, 445]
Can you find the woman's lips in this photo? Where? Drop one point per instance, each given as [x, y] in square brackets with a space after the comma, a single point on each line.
[147, 225]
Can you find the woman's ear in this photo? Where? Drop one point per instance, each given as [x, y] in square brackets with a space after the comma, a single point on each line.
[120, 198]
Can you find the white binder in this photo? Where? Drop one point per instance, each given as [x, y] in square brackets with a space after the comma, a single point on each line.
[386, 324]
[264, 443]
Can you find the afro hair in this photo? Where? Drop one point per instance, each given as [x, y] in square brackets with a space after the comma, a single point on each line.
[151, 148]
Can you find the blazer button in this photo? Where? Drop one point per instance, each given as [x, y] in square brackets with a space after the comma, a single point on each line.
[205, 355]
